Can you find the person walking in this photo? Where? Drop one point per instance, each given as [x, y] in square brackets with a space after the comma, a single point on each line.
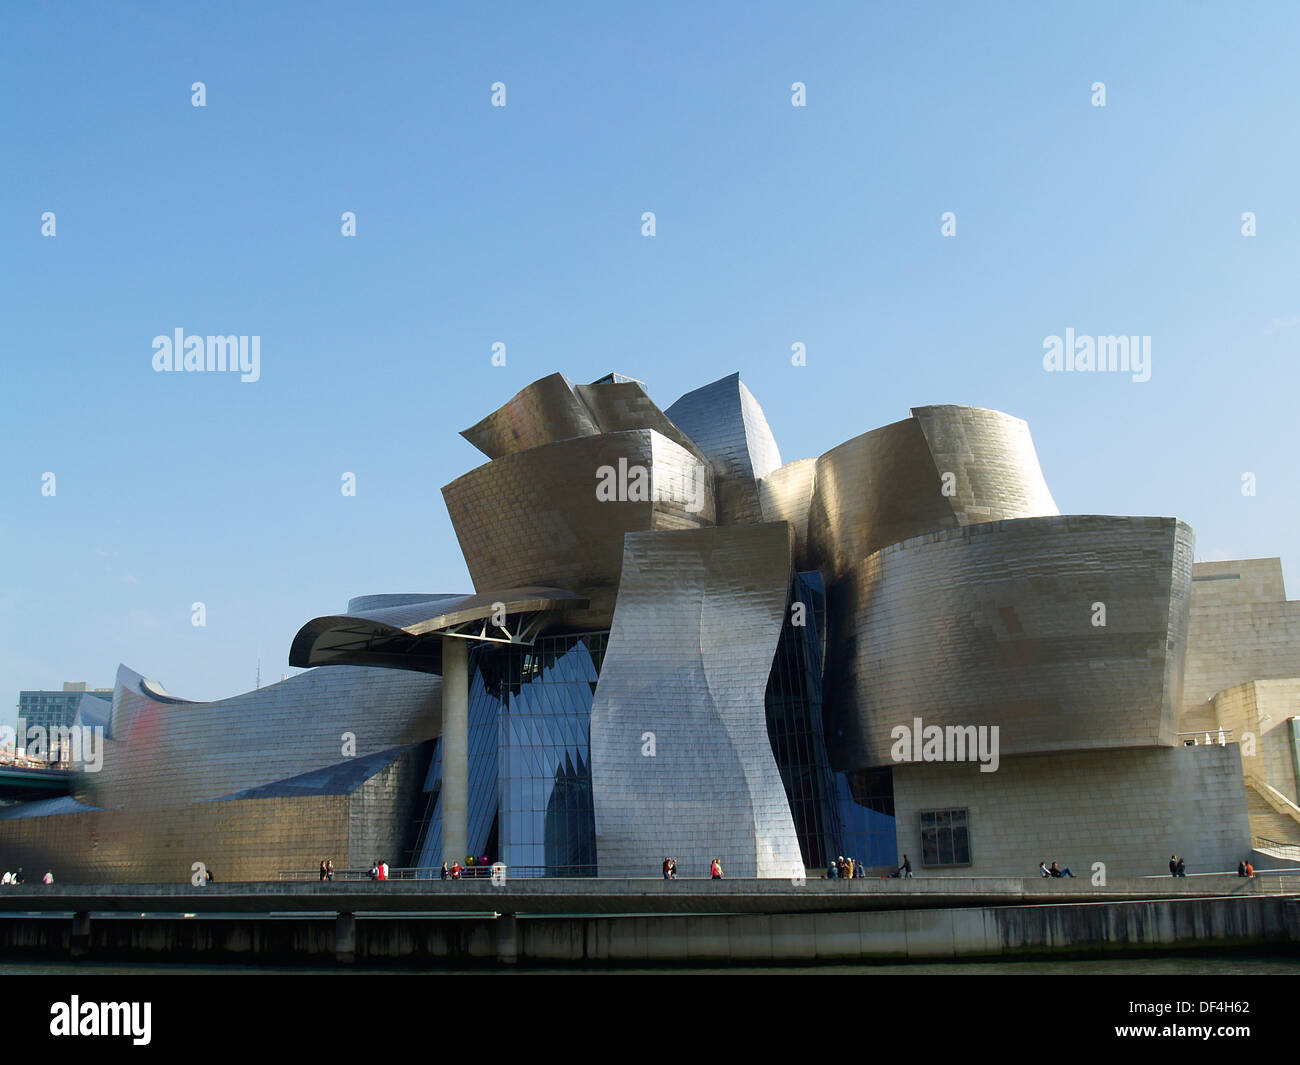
[906, 868]
[329, 868]
[1182, 867]
[383, 870]
[715, 870]
[48, 878]
[1173, 865]
[668, 868]
[442, 873]
[322, 870]
[832, 870]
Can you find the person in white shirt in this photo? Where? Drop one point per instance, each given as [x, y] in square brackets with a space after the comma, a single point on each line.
[48, 878]
[8, 878]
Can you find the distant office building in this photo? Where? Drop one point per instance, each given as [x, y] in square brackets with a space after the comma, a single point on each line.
[51, 710]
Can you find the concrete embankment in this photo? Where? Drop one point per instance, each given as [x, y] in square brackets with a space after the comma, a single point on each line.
[696, 923]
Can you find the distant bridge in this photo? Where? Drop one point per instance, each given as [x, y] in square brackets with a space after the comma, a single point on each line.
[21, 784]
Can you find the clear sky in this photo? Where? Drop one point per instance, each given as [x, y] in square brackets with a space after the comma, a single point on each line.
[521, 224]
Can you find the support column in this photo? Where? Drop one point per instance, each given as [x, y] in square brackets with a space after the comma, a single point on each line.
[345, 938]
[455, 749]
[80, 942]
[507, 939]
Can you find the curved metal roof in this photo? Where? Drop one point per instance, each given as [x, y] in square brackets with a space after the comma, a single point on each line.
[408, 635]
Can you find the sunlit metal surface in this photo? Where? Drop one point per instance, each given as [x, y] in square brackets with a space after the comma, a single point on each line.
[998, 625]
[786, 494]
[408, 635]
[698, 620]
[889, 484]
[729, 427]
[546, 411]
[354, 813]
[553, 409]
[165, 753]
[534, 518]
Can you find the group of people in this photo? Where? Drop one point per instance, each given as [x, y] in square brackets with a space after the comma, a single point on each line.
[19, 878]
[1054, 870]
[378, 871]
[1177, 867]
[843, 868]
[327, 870]
[473, 866]
[670, 869]
[1244, 868]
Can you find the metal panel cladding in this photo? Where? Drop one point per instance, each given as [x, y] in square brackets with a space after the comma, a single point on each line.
[940, 469]
[786, 494]
[1067, 633]
[536, 517]
[681, 762]
[729, 427]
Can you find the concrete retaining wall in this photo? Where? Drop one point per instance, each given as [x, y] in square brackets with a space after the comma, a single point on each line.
[1195, 925]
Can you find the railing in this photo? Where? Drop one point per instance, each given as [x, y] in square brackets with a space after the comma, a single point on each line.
[434, 872]
[1215, 737]
[1276, 849]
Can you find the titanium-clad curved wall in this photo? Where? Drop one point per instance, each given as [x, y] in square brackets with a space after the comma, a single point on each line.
[617, 406]
[888, 485]
[786, 494]
[996, 473]
[553, 409]
[535, 517]
[698, 620]
[998, 625]
[730, 429]
[163, 754]
[542, 413]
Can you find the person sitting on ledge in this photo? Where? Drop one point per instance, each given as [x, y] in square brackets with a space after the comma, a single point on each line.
[1056, 870]
[1042, 868]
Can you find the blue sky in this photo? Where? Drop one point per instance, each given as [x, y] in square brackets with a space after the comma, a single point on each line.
[522, 225]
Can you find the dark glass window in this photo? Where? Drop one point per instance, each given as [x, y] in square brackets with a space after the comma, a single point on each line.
[831, 818]
[530, 764]
[945, 838]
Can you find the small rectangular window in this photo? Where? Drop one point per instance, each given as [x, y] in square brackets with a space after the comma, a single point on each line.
[945, 838]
